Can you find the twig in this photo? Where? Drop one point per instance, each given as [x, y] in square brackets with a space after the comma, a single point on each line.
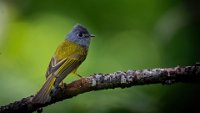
[120, 79]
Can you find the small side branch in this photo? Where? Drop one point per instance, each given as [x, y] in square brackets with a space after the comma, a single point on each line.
[120, 79]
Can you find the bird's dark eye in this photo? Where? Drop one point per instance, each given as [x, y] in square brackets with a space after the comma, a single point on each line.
[80, 34]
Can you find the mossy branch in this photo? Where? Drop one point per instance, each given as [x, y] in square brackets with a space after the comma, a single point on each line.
[120, 79]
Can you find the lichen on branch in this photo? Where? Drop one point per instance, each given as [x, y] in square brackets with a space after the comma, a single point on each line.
[120, 79]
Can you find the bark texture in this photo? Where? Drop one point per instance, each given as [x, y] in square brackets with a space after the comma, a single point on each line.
[120, 79]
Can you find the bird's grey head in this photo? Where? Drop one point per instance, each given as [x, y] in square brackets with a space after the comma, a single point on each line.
[80, 35]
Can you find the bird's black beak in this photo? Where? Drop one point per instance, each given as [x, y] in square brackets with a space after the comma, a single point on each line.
[92, 35]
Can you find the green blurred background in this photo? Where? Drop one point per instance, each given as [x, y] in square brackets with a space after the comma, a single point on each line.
[130, 34]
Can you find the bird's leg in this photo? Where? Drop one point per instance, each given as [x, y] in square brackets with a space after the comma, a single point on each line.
[78, 75]
[62, 84]
[75, 72]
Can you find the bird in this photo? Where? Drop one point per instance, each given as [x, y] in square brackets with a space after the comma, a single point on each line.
[68, 56]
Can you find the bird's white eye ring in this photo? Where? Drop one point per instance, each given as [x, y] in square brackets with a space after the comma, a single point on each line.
[80, 34]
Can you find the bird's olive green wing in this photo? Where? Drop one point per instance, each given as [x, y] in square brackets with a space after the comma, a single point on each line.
[62, 68]
[70, 64]
[54, 65]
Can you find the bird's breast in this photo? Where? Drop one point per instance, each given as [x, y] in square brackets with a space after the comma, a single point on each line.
[69, 49]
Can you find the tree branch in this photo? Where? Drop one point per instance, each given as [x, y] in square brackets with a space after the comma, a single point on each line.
[120, 79]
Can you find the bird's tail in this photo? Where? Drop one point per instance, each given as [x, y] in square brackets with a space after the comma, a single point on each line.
[43, 95]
